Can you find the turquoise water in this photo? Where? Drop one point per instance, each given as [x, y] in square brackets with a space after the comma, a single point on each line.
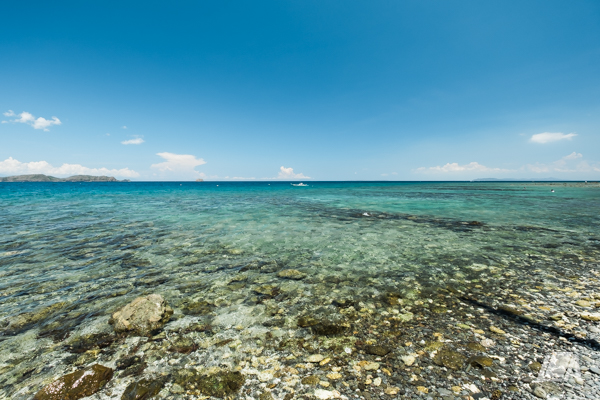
[92, 247]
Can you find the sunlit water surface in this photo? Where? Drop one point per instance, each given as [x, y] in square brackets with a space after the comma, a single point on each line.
[96, 246]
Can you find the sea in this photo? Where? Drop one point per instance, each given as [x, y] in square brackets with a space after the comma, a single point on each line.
[72, 253]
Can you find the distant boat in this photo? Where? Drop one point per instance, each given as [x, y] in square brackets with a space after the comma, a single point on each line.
[299, 184]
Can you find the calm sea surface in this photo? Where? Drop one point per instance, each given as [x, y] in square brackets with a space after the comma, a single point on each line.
[94, 246]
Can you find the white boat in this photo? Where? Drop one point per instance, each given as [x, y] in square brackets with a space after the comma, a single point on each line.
[299, 184]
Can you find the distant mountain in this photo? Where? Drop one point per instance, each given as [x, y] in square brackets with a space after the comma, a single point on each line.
[517, 180]
[46, 178]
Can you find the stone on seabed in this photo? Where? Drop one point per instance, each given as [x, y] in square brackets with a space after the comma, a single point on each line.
[326, 394]
[142, 316]
[76, 385]
[449, 359]
[540, 392]
[221, 384]
[590, 316]
[291, 274]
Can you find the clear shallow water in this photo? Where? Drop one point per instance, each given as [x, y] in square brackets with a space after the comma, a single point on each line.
[87, 249]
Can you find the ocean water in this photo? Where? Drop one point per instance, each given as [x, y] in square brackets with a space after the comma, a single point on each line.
[72, 253]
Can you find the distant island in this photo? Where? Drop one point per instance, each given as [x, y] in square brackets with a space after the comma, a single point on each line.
[516, 180]
[46, 178]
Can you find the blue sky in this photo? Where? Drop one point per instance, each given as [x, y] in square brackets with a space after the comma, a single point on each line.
[321, 90]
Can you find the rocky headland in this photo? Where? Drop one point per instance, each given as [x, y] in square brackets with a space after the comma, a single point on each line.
[46, 178]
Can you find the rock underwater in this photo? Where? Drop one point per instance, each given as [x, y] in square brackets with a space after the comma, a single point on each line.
[142, 316]
[76, 385]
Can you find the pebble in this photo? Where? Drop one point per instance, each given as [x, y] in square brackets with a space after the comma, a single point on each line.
[291, 274]
[370, 366]
[391, 390]
[326, 394]
[408, 360]
[540, 392]
[590, 316]
[583, 303]
[497, 330]
[315, 358]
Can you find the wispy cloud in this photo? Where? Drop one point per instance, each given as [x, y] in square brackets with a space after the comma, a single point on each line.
[10, 166]
[570, 163]
[456, 167]
[133, 141]
[547, 137]
[29, 119]
[182, 164]
[124, 127]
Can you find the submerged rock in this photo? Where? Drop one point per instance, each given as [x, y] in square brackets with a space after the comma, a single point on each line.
[377, 350]
[310, 380]
[583, 303]
[307, 321]
[142, 316]
[392, 298]
[143, 389]
[433, 345]
[91, 341]
[291, 274]
[450, 359]
[183, 345]
[127, 362]
[590, 316]
[497, 331]
[474, 346]
[408, 360]
[535, 366]
[266, 396]
[508, 310]
[267, 290]
[328, 328]
[220, 384]
[26, 320]
[198, 308]
[132, 365]
[76, 385]
[324, 323]
[480, 361]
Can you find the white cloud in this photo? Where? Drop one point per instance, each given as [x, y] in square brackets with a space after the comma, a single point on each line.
[133, 141]
[10, 166]
[288, 173]
[455, 167]
[179, 163]
[29, 119]
[547, 137]
[573, 156]
[567, 163]
[124, 127]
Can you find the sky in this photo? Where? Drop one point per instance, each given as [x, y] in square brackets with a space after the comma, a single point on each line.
[301, 90]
